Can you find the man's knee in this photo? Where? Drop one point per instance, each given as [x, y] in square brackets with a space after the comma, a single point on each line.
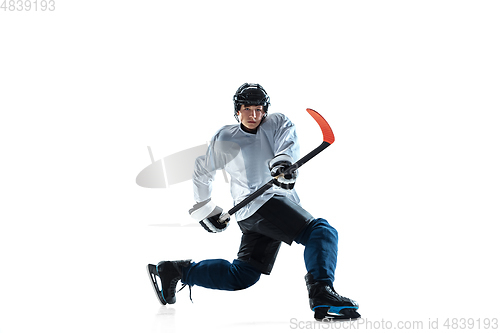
[245, 275]
[318, 228]
[325, 226]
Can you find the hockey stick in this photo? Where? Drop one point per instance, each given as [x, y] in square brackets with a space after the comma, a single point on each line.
[328, 139]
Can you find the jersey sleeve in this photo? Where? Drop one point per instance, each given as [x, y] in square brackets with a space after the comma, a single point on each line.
[219, 153]
[285, 138]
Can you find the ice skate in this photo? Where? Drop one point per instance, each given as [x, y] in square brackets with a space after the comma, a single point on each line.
[327, 304]
[169, 272]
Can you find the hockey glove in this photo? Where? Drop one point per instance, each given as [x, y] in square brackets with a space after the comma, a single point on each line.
[208, 214]
[277, 166]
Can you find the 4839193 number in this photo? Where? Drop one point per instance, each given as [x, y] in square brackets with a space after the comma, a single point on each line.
[28, 5]
[471, 323]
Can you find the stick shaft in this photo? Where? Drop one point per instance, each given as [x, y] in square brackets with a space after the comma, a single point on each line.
[269, 184]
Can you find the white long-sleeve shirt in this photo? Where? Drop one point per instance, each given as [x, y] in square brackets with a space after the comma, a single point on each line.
[245, 157]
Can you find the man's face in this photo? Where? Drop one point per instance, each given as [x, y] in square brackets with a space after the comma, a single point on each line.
[251, 116]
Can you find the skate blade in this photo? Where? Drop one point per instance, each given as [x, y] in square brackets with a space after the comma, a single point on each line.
[153, 273]
[331, 313]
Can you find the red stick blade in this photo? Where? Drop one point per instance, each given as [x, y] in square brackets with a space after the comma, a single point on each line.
[323, 124]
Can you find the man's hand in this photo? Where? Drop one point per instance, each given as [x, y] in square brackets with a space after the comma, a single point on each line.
[208, 214]
[277, 166]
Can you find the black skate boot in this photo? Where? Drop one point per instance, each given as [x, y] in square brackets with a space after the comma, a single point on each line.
[327, 304]
[169, 272]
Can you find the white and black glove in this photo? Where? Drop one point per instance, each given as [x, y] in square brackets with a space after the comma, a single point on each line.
[208, 214]
[277, 166]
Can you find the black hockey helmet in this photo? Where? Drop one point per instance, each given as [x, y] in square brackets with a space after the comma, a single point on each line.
[250, 94]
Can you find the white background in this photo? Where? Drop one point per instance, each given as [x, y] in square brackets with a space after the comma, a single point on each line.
[411, 90]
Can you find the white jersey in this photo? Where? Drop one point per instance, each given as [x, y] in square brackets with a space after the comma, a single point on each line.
[245, 157]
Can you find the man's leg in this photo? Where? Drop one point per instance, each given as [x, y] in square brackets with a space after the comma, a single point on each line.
[256, 255]
[320, 254]
[220, 274]
[214, 274]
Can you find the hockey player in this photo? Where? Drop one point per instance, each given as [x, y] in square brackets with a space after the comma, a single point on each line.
[259, 146]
